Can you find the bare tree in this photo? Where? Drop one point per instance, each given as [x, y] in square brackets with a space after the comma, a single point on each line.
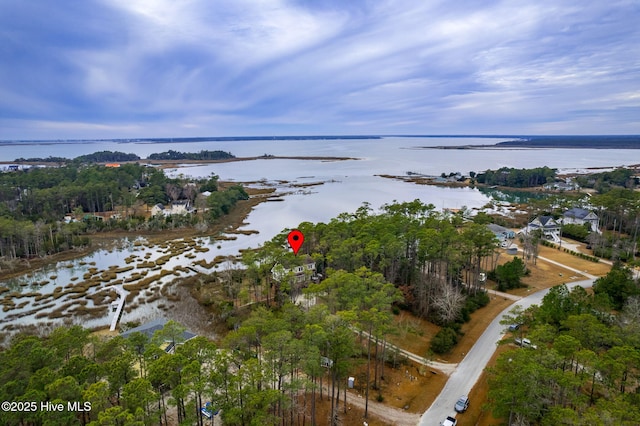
[190, 191]
[173, 191]
[231, 281]
[447, 302]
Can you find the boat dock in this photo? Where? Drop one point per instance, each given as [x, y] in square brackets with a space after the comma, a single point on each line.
[117, 307]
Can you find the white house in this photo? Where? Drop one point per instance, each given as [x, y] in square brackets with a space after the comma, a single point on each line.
[298, 277]
[300, 273]
[549, 227]
[580, 216]
[157, 209]
[567, 185]
[177, 207]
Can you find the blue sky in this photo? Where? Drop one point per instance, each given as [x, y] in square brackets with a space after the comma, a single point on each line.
[169, 68]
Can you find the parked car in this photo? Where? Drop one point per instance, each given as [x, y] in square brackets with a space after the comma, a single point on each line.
[449, 421]
[514, 327]
[208, 411]
[525, 343]
[462, 404]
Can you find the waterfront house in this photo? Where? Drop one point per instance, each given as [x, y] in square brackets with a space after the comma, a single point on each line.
[298, 273]
[298, 276]
[176, 207]
[567, 185]
[580, 216]
[157, 209]
[180, 207]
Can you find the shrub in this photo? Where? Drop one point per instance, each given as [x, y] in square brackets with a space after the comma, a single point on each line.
[444, 340]
[472, 303]
[508, 275]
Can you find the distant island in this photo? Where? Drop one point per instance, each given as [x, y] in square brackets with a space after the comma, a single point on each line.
[117, 156]
[575, 142]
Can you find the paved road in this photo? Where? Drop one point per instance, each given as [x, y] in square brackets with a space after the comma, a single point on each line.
[469, 370]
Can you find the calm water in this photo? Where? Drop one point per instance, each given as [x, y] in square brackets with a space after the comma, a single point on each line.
[345, 186]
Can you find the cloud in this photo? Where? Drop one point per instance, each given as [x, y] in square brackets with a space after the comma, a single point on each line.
[325, 66]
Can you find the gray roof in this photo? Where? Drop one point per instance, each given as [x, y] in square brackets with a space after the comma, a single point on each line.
[497, 228]
[151, 327]
[544, 220]
[577, 213]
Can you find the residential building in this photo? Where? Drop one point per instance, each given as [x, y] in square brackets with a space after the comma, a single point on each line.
[299, 273]
[176, 207]
[501, 232]
[151, 327]
[298, 276]
[549, 227]
[581, 216]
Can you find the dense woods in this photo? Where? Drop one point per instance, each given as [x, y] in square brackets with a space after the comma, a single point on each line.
[585, 368]
[619, 212]
[116, 156]
[605, 181]
[202, 155]
[35, 201]
[517, 178]
[433, 258]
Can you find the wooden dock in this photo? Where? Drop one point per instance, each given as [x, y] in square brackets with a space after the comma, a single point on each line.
[118, 311]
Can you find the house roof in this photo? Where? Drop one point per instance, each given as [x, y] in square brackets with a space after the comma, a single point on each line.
[151, 327]
[497, 228]
[288, 263]
[577, 213]
[546, 220]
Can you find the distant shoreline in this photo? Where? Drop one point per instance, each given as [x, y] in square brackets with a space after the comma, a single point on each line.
[556, 142]
[175, 163]
[183, 140]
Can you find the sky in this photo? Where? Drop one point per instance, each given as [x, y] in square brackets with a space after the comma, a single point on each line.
[171, 68]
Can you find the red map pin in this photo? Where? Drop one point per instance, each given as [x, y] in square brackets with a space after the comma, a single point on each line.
[295, 238]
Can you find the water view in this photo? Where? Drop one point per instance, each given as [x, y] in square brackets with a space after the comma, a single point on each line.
[308, 190]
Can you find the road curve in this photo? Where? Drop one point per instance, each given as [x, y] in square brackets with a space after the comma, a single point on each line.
[469, 370]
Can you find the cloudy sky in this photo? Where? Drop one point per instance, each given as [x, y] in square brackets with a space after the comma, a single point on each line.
[169, 68]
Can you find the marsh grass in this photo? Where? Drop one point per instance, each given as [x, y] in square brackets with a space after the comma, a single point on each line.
[245, 232]
[94, 312]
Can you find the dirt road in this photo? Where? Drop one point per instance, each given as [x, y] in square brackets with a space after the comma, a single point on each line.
[390, 415]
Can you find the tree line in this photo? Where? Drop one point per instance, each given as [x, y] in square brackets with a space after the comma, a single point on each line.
[117, 156]
[517, 178]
